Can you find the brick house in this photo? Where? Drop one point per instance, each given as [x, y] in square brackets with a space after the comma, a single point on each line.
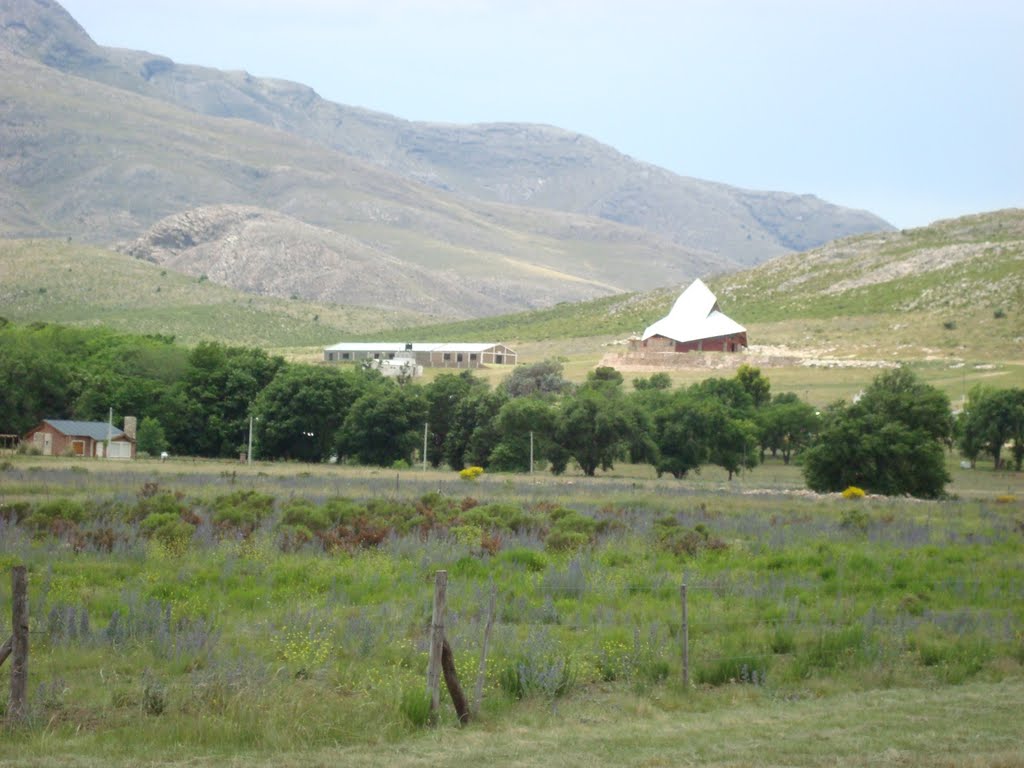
[58, 437]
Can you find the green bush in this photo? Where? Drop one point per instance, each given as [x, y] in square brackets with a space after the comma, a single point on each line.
[169, 529]
[242, 510]
[304, 513]
[48, 514]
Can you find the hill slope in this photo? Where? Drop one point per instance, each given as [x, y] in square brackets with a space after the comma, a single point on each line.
[74, 284]
[951, 289]
[103, 143]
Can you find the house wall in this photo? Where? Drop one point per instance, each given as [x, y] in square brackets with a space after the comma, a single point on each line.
[736, 342]
[52, 442]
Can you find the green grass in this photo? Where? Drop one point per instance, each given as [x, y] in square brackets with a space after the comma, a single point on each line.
[62, 282]
[232, 649]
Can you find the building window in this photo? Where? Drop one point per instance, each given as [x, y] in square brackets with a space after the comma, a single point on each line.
[376, 355]
[391, 355]
[447, 356]
[346, 356]
[458, 358]
[499, 359]
[472, 357]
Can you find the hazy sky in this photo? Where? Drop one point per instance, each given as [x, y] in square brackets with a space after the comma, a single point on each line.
[913, 109]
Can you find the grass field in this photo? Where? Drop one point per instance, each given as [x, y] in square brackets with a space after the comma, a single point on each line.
[823, 631]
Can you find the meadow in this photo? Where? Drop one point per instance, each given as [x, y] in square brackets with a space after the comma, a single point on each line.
[212, 613]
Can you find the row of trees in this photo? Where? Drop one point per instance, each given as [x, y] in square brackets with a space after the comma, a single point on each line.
[200, 402]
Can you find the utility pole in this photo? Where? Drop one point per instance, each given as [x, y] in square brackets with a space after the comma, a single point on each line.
[531, 454]
[425, 425]
[248, 454]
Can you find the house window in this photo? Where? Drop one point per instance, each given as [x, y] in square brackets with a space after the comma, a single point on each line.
[472, 357]
[346, 355]
[499, 359]
[391, 355]
[447, 356]
[376, 355]
[458, 358]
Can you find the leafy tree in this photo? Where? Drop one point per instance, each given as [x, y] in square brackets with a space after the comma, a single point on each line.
[786, 425]
[900, 395]
[516, 420]
[993, 418]
[660, 381]
[150, 437]
[887, 442]
[543, 378]
[443, 396]
[473, 433]
[593, 427]
[730, 392]
[680, 432]
[384, 425]
[300, 412]
[35, 383]
[755, 384]
[219, 389]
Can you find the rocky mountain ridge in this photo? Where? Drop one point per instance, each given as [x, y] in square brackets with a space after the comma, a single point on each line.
[102, 144]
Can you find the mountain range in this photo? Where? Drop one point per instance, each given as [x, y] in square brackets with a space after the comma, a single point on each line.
[261, 185]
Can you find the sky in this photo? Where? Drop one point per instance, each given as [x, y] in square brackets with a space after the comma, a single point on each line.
[912, 109]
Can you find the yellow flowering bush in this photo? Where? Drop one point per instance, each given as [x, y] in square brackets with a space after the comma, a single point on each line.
[471, 473]
[853, 492]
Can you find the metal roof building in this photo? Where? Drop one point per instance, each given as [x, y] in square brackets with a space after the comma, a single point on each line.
[427, 354]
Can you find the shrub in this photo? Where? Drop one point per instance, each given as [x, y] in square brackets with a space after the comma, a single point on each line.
[305, 514]
[853, 492]
[55, 515]
[169, 529]
[471, 473]
[242, 511]
[855, 520]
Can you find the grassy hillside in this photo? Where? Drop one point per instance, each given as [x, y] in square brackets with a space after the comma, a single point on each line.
[953, 287]
[62, 282]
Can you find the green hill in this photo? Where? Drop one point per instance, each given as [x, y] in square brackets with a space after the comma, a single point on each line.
[955, 286]
[62, 282]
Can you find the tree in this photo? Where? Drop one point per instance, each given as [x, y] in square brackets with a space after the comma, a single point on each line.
[888, 442]
[150, 437]
[384, 425]
[219, 388]
[993, 418]
[680, 432]
[755, 384]
[786, 425]
[443, 396]
[516, 421]
[593, 427]
[473, 433]
[299, 413]
[543, 378]
[660, 380]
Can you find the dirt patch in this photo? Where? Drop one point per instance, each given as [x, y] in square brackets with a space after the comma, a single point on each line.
[761, 356]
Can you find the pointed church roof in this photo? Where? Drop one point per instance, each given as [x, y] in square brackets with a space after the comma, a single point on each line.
[695, 315]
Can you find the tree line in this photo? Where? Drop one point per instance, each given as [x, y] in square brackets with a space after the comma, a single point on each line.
[201, 402]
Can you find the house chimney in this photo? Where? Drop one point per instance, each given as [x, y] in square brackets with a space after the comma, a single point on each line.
[130, 426]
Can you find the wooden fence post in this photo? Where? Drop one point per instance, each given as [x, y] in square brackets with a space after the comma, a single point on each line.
[18, 709]
[478, 693]
[436, 642]
[685, 636]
